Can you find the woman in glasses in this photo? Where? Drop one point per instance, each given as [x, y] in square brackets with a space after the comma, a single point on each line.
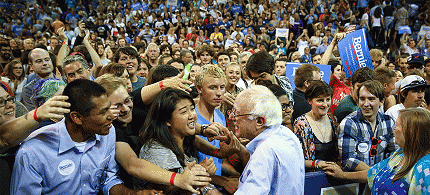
[406, 171]
[315, 129]
[287, 106]
[15, 72]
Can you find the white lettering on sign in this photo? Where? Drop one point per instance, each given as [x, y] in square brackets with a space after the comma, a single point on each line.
[356, 42]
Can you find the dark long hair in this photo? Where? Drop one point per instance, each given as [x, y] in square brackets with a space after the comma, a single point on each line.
[155, 127]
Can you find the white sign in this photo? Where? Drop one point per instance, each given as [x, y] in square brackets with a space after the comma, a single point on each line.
[282, 32]
[172, 3]
[424, 30]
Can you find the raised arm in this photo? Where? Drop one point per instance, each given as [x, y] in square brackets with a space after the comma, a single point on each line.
[64, 50]
[149, 92]
[98, 65]
[15, 131]
[326, 57]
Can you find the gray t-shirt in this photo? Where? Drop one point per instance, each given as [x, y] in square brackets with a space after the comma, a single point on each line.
[161, 156]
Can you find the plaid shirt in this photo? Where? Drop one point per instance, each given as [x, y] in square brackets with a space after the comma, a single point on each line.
[355, 135]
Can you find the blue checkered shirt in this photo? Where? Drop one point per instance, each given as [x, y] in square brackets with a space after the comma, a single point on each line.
[355, 135]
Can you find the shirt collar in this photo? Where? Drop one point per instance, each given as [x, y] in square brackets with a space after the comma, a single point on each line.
[66, 142]
[361, 117]
[252, 146]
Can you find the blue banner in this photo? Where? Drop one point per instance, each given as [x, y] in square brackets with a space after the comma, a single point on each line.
[292, 67]
[354, 52]
[136, 6]
[404, 29]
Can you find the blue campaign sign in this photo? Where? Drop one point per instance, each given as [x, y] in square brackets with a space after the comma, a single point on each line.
[136, 6]
[404, 29]
[354, 52]
[292, 67]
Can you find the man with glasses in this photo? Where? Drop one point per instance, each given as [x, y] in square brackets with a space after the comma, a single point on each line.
[303, 77]
[275, 165]
[366, 136]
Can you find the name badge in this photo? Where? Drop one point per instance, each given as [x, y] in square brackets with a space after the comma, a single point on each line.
[363, 147]
[66, 167]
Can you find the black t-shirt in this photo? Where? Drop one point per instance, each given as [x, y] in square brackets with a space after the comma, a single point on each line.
[301, 105]
[140, 110]
[102, 31]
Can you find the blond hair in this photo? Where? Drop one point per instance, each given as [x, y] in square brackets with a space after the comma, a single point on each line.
[208, 70]
[111, 83]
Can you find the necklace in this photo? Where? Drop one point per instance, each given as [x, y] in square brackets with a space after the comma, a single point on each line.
[316, 124]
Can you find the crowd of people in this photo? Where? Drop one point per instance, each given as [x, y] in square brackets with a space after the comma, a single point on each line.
[178, 97]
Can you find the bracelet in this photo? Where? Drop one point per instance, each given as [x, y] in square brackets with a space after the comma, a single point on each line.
[313, 164]
[316, 165]
[161, 85]
[172, 178]
[207, 188]
[216, 151]
[35, 116]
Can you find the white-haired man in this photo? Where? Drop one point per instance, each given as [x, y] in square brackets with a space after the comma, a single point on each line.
[276, 165]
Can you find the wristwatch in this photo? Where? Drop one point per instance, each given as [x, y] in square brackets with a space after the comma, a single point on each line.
[207, 188]
[202, 129]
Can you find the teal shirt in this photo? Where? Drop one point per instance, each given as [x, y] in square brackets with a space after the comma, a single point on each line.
[345, 107]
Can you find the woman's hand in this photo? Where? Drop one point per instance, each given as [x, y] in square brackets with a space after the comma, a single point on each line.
[177, 82]
[54, 108]
[209, 165]
[193, 175]
[334, 170]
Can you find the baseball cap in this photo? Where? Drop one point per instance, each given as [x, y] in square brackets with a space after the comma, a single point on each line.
[412, 81]
[416, 60]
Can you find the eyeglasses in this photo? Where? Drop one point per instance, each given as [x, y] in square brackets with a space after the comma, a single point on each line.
[3, 102]
[373, 150]
[289, 105]
[126, 102]
[234, 114]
